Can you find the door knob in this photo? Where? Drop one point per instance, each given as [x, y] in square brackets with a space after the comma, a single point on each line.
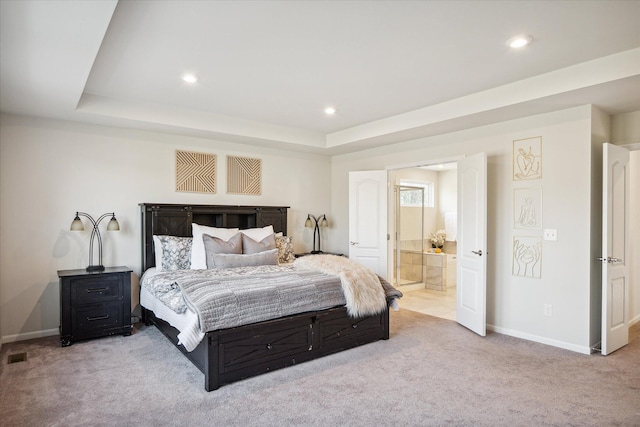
[479, 253]
[353, 243]
[609, 259]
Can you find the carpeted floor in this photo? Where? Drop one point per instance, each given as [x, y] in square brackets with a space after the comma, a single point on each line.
[431, 372]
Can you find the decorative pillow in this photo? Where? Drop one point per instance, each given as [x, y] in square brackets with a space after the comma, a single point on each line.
[198, 256]
[250, 246]
[269, 257]
[215, 245]
[285, 249]
[258, 234]
[172, 252]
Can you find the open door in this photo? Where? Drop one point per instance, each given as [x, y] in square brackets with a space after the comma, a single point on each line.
[615, 249]
[471, 298]
[368, 219]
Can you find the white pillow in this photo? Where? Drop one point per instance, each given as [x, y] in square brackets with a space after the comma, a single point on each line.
[258, 234]
[198, 255]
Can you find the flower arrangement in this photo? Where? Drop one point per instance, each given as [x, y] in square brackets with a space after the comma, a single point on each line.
[437, 238]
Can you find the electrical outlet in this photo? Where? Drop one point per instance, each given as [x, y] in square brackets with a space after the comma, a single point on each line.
[547, 310]
[550, 234]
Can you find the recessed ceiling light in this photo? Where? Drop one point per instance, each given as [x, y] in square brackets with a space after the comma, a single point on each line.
[519, 41]
[329, 111]
[190, 78]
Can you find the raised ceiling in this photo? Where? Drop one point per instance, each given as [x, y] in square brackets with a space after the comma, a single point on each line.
[394, 70]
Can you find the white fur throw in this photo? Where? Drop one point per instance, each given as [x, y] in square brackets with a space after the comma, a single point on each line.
[361, 286]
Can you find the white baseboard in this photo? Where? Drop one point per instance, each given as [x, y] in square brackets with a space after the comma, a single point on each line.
[30, 335]
[541, 340]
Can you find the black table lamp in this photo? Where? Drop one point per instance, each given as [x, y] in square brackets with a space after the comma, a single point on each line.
[77, 225]
[321, 221]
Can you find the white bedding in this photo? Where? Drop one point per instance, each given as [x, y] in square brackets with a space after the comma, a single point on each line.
[187, 322]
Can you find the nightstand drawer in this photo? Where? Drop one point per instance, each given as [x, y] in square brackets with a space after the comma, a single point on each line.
[95, 289]
[98, 316]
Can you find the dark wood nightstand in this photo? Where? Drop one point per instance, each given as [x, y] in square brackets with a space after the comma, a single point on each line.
[94, 304]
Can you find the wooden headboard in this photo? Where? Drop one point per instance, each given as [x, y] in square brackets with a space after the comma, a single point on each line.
[176, 219]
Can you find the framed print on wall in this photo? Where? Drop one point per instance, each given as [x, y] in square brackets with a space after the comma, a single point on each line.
[527, 208]
[527, 159]
[527, 256]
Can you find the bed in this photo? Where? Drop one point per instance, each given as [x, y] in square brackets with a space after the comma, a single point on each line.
[230, 354]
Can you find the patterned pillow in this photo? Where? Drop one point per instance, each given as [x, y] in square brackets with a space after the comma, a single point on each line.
[172, 252]
[285, 249]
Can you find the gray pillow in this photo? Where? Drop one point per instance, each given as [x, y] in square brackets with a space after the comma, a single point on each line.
[269, 257]
[250, 246]
[216, 245]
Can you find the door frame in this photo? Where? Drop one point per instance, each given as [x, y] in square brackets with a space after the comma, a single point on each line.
[391, 214]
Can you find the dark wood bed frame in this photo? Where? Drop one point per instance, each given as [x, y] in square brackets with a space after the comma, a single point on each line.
[229, 355]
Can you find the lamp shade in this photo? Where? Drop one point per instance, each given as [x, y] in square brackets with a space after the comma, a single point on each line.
[113, 224]
[323, 221]
[76, 225]
[308, 222]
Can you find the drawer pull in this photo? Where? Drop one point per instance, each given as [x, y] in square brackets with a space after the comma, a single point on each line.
[91, 319]
[90, 290]
[269, 347]
[354, 326]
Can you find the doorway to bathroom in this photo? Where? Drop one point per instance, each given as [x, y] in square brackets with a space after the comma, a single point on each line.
[424, 249]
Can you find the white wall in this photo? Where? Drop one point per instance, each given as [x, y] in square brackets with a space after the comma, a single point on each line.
[411, 216]
[515, 304]
[50, 169]
[625, 128]
[447, 194]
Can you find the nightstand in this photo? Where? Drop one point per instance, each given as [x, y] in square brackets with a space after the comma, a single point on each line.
[94, 303]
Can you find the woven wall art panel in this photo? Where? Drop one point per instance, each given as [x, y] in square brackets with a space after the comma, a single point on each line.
[244, 175]
[195, 172]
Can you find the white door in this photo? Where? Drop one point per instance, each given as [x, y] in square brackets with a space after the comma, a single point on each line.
[368, 219]
[471, 298]
[615, 249]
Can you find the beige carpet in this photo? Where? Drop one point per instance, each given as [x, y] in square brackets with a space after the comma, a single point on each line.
[431, 372]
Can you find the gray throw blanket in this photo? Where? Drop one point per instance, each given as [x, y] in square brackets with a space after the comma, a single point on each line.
[226, 302]
[224, 298]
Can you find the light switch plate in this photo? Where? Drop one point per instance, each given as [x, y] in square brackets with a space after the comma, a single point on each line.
[550, 234]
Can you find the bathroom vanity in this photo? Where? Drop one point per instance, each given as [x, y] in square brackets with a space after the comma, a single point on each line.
[436, 270]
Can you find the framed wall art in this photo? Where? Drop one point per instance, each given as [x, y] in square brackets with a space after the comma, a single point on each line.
[527, 208]
[527, 159]
[196, 172]
[527, 256]
[244, 175]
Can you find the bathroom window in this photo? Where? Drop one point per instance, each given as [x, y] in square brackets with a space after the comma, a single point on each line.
[412, 198]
